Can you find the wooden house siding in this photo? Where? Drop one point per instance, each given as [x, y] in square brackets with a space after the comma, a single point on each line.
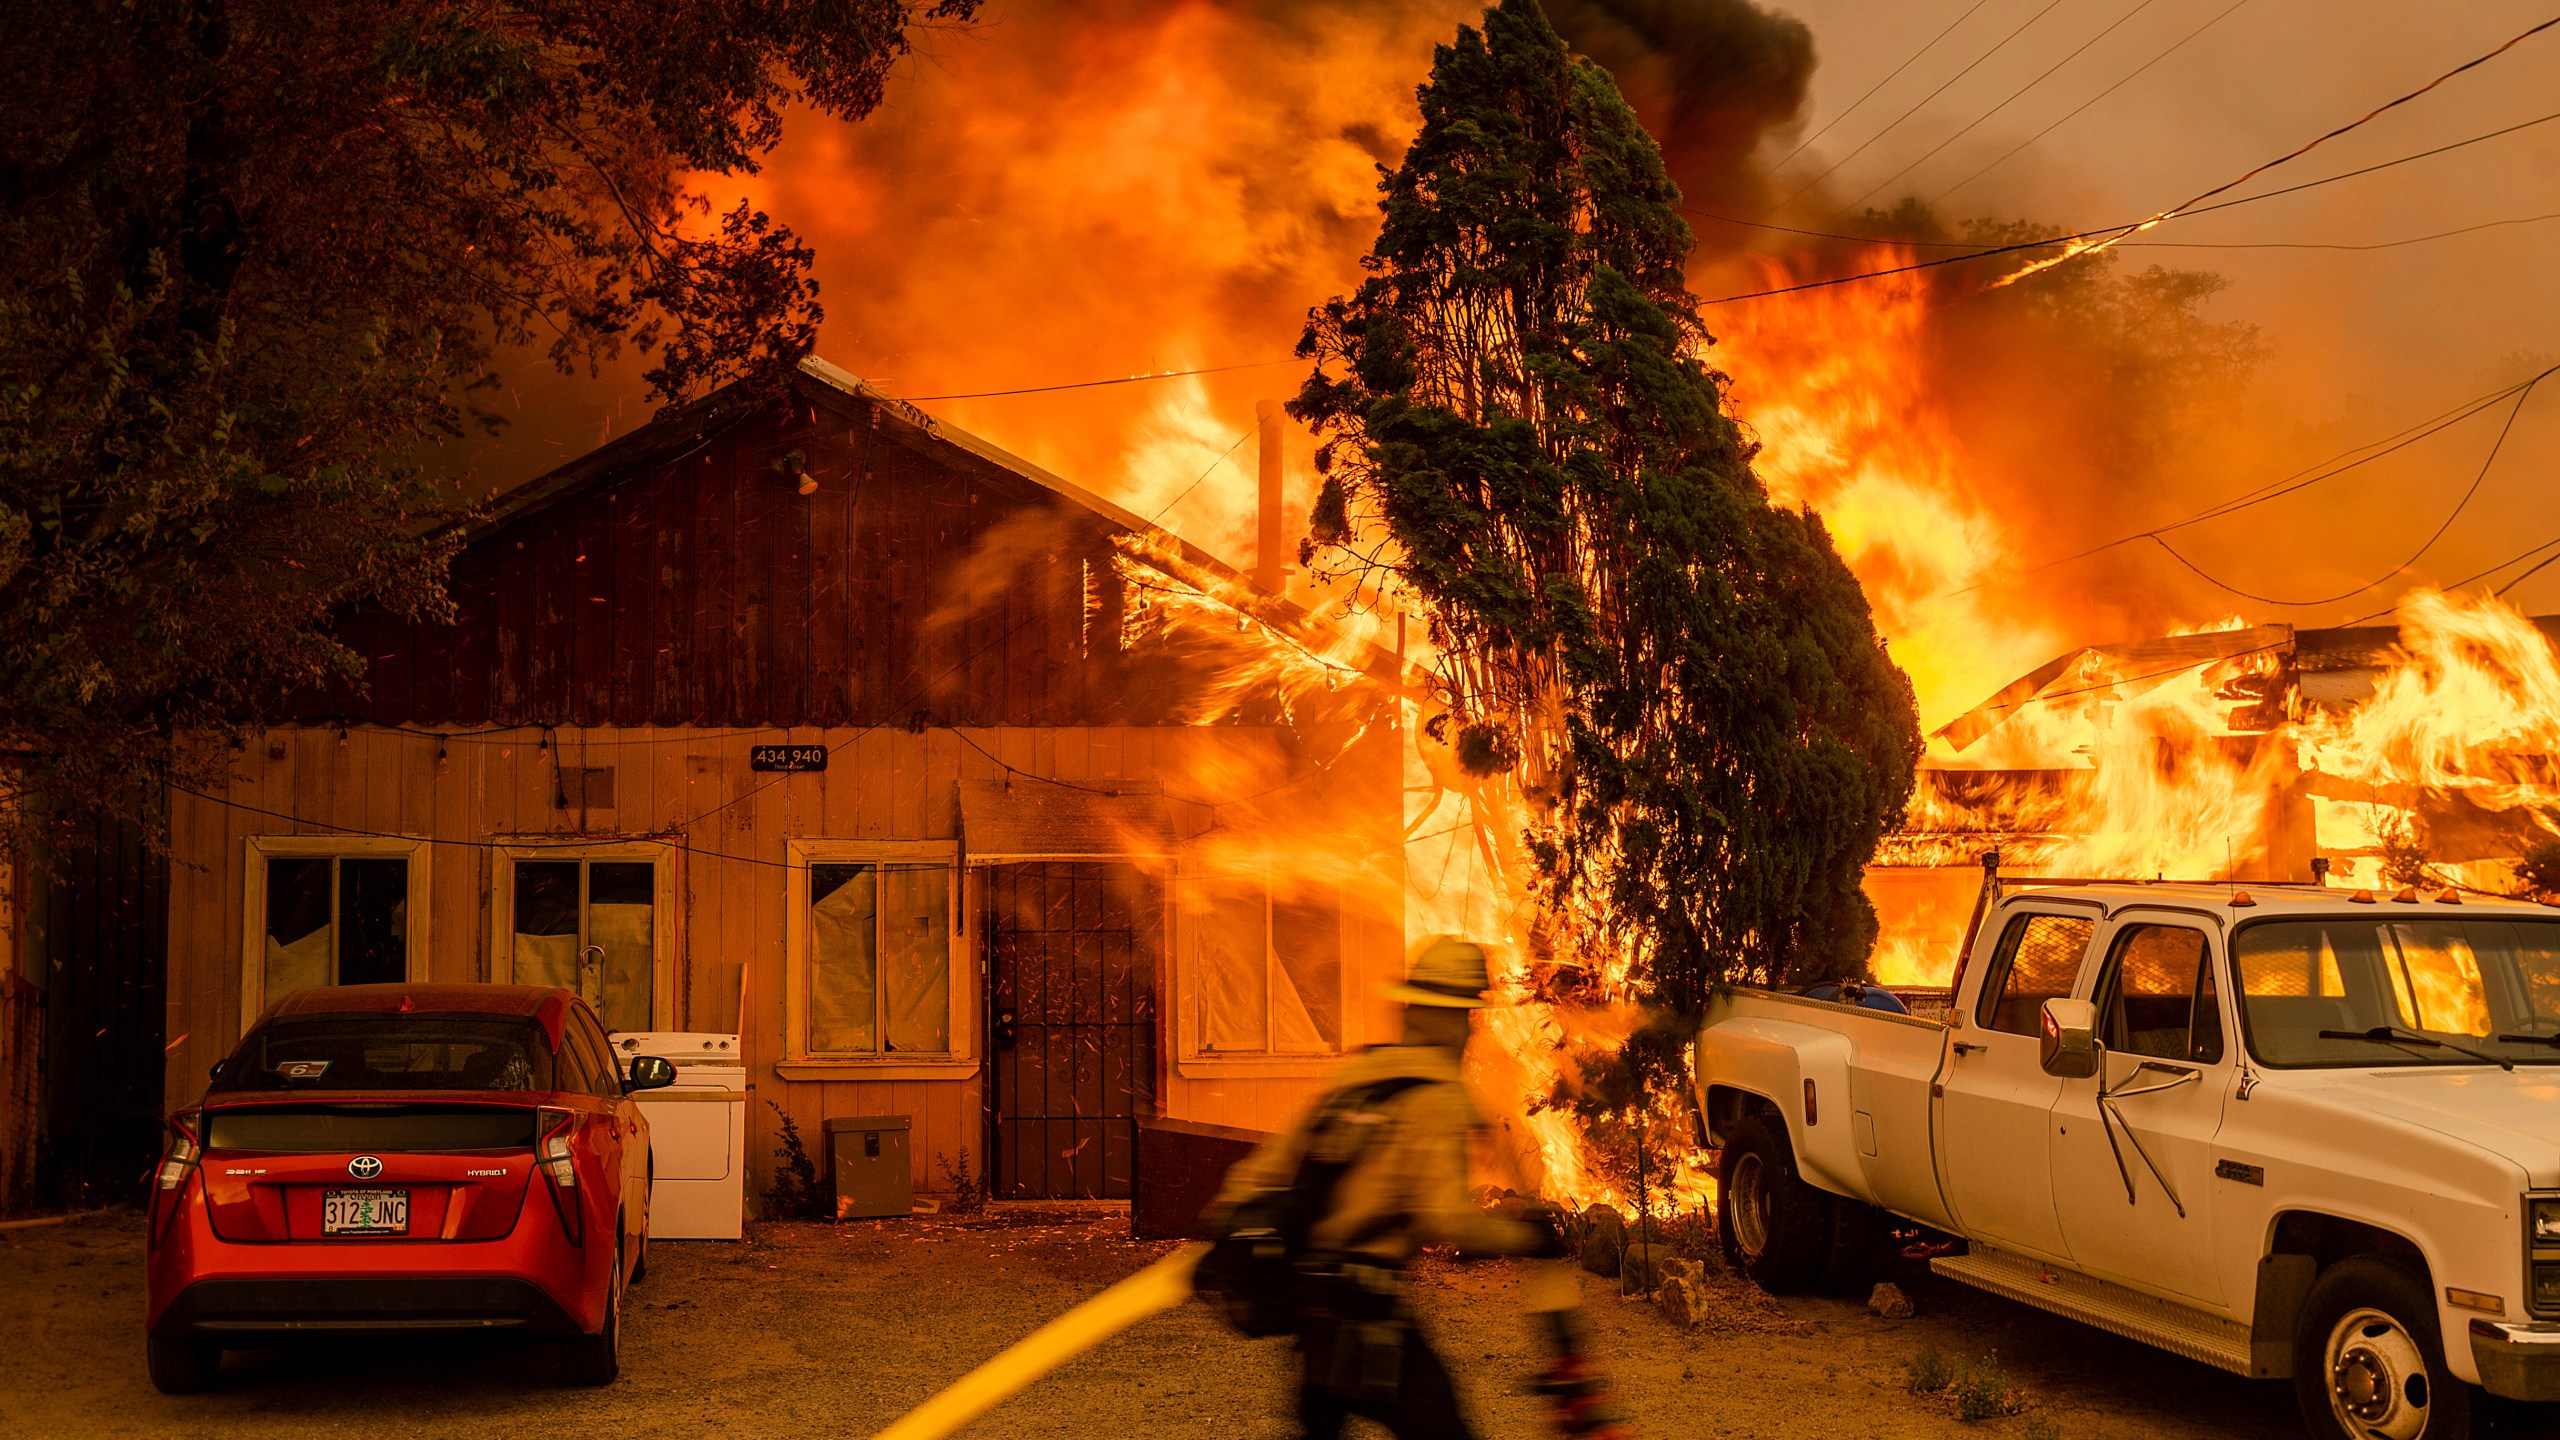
[693, 787]
[701, 588]
[932, 613]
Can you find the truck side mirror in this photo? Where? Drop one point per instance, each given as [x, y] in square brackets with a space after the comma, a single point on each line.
[2067, 1039]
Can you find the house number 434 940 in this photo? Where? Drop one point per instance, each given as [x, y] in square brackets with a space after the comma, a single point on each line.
[786, 757]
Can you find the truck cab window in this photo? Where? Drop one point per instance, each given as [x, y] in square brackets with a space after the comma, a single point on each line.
[2038, 958]
[2157, 998]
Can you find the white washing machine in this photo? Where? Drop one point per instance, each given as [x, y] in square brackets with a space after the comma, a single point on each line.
[697, 1133]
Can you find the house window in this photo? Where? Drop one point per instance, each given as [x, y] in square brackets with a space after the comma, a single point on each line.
[874, 953]
[331, 912]
[590, 926]
[336, 920]
[1267, 968]
[879, 959]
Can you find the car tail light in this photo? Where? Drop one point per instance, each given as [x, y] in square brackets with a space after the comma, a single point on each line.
[185, 1152]
[559, 1165]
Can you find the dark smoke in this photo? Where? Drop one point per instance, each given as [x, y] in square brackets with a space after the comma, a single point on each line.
[1709, 78]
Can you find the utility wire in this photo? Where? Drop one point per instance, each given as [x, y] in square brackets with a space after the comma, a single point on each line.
[2130, 244]
[1872, 89]
[2013, 98]
[1095, 384]
[2092, 100]
[2186, 214]
[2329, 469]
[2076, 249]
[1185, 493]
[1897, 120]
[2459, 506]
[2473, 578]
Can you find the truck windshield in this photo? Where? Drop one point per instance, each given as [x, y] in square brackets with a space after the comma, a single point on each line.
[2364, 992]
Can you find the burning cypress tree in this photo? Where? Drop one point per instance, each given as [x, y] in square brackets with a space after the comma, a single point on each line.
[1682, 680]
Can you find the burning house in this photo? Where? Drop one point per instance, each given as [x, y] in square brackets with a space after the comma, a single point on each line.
[2366, 755]
[958, 791]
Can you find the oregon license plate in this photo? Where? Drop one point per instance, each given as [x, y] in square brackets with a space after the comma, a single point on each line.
[364, 1212]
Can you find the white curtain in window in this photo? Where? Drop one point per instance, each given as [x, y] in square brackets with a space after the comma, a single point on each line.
[842, 932]
[300, 965]
[915, 940]
[547, 960]
[1232, 966]
[627, 934]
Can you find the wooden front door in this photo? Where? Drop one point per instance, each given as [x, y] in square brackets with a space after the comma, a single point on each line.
[1073, 949]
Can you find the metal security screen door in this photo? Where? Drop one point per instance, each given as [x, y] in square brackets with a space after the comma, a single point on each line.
[1073, 949]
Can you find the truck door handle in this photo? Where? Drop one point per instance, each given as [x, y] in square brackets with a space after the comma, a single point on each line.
[1966, 1047]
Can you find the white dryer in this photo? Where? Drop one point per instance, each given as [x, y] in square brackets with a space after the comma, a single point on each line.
[697, 1134]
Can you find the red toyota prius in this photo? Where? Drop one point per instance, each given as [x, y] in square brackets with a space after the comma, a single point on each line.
[404, 1157]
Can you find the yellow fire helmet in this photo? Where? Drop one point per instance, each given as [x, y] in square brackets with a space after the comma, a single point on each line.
[1446, 971]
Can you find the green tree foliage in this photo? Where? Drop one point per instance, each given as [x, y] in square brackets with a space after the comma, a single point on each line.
[1684, 680]
[259, 251]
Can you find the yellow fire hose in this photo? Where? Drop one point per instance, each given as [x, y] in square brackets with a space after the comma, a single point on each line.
[1158, 1288]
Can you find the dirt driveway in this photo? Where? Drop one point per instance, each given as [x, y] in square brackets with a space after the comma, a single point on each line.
[829, 1331]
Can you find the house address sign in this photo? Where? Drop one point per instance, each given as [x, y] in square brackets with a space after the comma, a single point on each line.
[786, 757]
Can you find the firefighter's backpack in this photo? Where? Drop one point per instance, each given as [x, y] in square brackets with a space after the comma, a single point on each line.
[1251, 1274]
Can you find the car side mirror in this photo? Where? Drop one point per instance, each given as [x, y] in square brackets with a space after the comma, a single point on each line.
[650, 1072]
[2067, 1039]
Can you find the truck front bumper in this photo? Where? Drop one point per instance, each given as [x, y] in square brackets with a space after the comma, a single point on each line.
[2518, 1360]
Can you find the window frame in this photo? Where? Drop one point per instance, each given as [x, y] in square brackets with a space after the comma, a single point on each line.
[666, 923]
[257, 850]
[796, 1063]
[2105, 990]
[2003, 963]
[1192, 881]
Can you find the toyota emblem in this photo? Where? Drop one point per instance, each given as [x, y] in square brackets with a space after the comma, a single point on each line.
[365, 1167]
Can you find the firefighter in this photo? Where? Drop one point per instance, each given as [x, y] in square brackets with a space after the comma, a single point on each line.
[1390, 1135]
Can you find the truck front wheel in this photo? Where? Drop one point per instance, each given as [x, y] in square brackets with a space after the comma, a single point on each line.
[2368, 1362]
[1774, 1226]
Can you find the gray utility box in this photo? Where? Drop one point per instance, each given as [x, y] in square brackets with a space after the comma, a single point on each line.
[869, 1156]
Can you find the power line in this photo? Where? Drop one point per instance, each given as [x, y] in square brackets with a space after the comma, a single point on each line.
[2288, 157]
[2184, 214]
[2092, 100]
[1897, 120]
[1872, 89]
[1185, 494]
[2464, 503]
[2474, 577]
[2301, 479]
[1095, 384]
[2012, 99]
[2130, 244]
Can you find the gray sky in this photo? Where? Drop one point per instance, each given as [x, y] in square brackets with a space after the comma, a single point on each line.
[2372, 340]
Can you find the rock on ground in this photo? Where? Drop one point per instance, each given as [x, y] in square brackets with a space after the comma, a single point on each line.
[1680, 1302]
[1604, 1240]
[1888, 1301]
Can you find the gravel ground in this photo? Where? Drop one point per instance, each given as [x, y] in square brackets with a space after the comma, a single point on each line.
[831, 1331]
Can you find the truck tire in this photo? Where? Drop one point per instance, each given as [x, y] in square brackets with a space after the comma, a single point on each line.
[1856, 1248]
[1775, 1228]
[2368, 1361]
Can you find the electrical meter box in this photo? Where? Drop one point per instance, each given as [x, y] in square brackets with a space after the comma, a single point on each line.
[869, 1156]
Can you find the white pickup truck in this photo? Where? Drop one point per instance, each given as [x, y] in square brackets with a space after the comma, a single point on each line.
[2290, 1131]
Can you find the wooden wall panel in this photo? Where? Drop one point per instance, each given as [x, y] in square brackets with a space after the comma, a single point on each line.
[883, 783]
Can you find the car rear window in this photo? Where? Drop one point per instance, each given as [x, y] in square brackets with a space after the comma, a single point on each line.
[298, 1128]
[389, 1052]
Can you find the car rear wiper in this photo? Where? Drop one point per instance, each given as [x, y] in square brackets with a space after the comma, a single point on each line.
[2394, 1035]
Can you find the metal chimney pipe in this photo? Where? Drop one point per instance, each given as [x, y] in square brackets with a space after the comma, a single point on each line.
[1270, 562]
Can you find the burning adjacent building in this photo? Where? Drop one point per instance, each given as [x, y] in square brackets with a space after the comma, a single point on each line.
[2367, 755]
